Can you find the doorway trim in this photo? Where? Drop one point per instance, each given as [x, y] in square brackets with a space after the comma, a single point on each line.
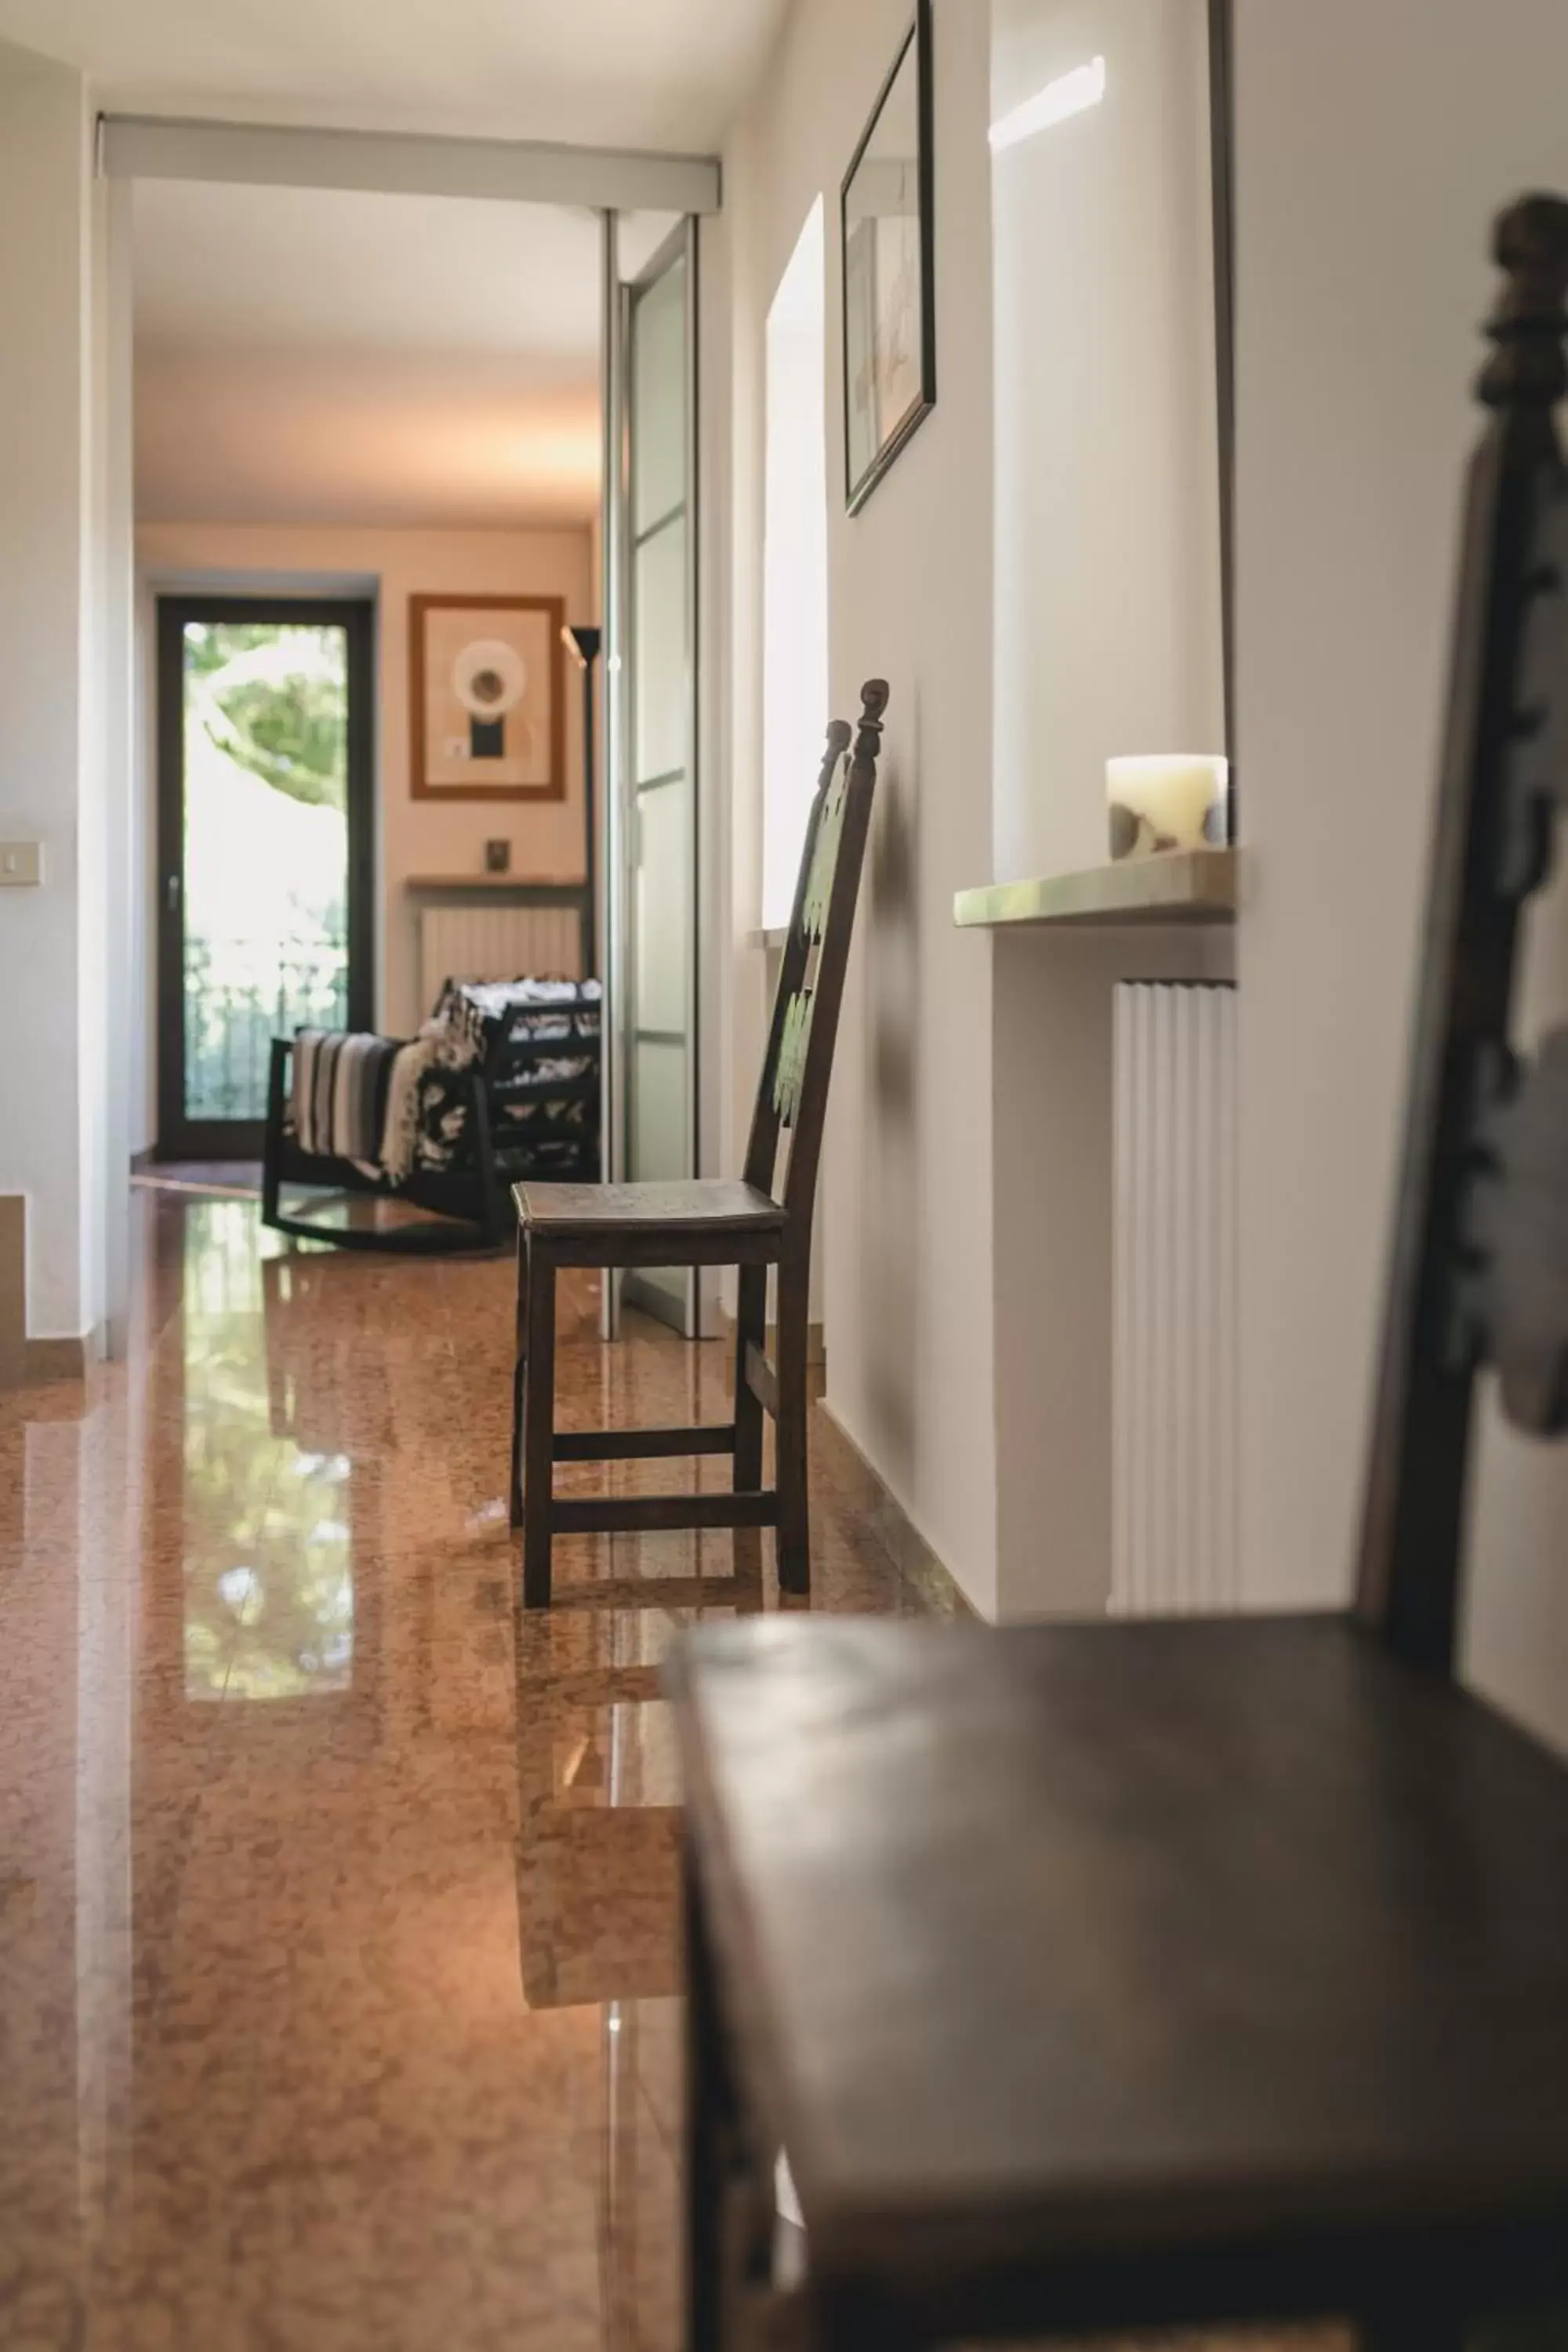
[180, 1137]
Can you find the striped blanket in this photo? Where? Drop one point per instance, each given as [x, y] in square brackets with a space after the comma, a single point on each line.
[343, 1080]
[388, 1108]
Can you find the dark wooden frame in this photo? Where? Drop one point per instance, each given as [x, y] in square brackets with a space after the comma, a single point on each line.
[918, 39]
[180, 1137]
[1394, 1936]
[419, 786]
[721, 1223]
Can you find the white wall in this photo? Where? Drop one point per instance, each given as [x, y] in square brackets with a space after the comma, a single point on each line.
[57, 587]
[1374, 145]
[1107, 639]
[906, 1178]
[1108, 571]
[414, 836]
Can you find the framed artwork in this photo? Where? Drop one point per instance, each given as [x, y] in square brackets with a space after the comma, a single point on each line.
[487, 698]
[886, 221]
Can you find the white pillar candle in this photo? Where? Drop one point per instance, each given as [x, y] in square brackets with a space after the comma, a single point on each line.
[1161, 800]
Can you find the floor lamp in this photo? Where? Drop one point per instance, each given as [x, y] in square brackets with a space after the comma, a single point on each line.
[583, 647]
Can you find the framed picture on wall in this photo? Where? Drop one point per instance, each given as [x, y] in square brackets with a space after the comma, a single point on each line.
[887, 223]
[487, 698]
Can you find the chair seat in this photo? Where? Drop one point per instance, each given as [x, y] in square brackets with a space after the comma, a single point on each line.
[704, 1204]
[1047, 1950]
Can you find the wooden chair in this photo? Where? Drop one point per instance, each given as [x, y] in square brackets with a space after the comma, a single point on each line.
[718, 1221]
[1133, 1974]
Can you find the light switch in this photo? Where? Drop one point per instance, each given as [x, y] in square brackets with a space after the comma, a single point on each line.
[21, 862]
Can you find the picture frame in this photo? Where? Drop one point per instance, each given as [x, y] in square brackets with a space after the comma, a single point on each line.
[887, 223]
[487, 698]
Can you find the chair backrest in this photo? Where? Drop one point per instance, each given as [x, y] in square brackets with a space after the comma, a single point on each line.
[1479, 1271]
[798, 1063]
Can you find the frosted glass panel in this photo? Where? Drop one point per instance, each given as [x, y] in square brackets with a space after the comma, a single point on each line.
[659, 788]
[658, 1109]
[663, 913]
[660, 654]
[659, 399]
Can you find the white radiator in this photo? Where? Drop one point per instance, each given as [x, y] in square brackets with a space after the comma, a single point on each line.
[1174, 1344]
[498, 943]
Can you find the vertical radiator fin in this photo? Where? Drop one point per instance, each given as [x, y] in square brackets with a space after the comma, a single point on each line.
[498, 943]
[1174, 1396]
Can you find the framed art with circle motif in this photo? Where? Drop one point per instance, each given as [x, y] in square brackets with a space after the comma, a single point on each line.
[487, 698]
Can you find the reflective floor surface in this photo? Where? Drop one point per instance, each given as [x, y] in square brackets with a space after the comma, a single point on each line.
[338, 1957]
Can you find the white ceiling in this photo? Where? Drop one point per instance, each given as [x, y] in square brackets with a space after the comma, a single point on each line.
[319, 356]
[638, 73]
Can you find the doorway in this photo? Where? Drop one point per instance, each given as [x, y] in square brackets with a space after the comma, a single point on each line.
[266, 849]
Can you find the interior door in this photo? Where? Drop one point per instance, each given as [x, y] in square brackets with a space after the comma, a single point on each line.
[658, 1025]
[265, 813]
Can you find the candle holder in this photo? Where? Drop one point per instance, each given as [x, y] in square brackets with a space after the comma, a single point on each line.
[1161, 800]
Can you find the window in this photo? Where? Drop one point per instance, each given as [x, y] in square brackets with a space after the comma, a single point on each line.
[795, 566]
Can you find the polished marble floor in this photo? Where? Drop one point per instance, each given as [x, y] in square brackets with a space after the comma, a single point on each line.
[337, 1961]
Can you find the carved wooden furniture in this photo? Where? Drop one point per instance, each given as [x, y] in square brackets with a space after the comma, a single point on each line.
[752, 1222]
[1151, 1973]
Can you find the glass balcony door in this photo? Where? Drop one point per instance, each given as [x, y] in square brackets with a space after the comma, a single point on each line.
[265, 786]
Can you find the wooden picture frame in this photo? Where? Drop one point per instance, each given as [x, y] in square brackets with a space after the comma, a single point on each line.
[890, 346]
[487, 703]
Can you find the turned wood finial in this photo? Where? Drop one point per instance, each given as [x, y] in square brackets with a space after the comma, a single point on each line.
[1530, 244]
[873, 702]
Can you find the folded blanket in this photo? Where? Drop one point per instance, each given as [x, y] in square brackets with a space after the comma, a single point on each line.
[337, 1107]
[389, 1107]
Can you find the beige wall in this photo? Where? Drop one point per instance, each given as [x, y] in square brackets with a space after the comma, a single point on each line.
[907, 1180]
[414, 836]
[1107, 461]
[1107, 639]
[1374, 143]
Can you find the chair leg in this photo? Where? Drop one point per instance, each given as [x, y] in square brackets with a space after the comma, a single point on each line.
[537, 1431]
[706, 2117]
[519, 1363]
[790, 1475]
[750, 1331]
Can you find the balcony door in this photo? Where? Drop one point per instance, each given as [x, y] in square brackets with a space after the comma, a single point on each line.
[266, 773]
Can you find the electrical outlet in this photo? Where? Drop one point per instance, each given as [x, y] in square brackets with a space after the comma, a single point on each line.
[21, 862]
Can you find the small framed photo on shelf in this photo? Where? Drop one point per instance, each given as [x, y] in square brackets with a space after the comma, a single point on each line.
[487, 698]
[887, 225]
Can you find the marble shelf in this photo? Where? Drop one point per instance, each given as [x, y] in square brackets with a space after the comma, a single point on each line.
[1181, 886]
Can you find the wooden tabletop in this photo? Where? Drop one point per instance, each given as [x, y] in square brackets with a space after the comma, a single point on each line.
[1053, 1946]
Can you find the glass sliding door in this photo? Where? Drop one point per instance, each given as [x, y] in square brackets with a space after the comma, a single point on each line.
[265, 843]
[657, 782]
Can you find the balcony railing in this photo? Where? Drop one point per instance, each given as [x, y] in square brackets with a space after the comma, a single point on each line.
[240, 995]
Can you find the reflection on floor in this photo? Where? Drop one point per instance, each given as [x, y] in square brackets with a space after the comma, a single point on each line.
[337, 1931]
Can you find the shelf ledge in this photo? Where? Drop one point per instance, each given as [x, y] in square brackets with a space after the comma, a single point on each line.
[490, 882]
[1176, 885]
